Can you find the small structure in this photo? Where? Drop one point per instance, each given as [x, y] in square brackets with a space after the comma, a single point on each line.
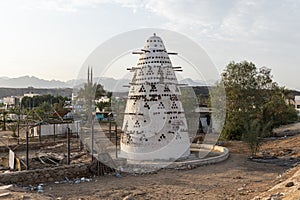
[11, 102]
[297, 104]
[55, 129]
[30, 94]
[155, 125]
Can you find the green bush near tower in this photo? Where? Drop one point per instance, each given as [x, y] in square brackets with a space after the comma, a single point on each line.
[254, 102]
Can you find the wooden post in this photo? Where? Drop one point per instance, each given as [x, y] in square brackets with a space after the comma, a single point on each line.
[116, 130]
[69, 146]
[92, 140]
[27, 150]
[109, 130]
[80, 137]
[54, 132]
[19, 127]
[40, 133]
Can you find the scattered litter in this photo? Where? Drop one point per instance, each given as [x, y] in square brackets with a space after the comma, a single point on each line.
[66, 178]
[74, 181]
[118, 175]
[40, 188]
[82, 179]
[30, 188]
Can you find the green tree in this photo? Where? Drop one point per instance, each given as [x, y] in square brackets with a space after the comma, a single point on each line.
[43, 111]
[36, 101]
[251, 95]
[4, 119]
[102, 105]
[99, 91]
[92, 91]
[278, 111]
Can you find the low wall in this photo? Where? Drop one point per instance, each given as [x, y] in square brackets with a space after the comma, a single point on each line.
[224, 153]
[35, 177]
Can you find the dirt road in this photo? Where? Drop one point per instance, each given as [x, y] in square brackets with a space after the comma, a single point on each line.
[236, 178]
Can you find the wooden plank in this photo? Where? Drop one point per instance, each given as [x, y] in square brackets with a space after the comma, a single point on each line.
[5, 187]
[4, 194]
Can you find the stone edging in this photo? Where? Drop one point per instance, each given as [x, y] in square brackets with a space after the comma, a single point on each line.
[34, 177]
[202, 161]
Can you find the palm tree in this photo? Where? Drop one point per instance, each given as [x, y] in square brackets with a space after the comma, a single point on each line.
[13, 127]
[4, 114]
[89, 93]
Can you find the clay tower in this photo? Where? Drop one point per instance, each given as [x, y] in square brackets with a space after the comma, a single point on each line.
[154, 124]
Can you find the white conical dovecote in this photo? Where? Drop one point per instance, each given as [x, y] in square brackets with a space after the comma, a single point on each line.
[154, 125]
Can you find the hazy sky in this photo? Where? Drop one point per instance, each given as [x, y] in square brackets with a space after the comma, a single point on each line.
[51, 39]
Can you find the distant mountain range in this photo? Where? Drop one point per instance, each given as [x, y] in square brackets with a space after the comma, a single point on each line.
[110, 84]
[31, 81]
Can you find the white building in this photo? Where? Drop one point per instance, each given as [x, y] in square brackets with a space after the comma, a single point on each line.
[297, 103]
[11, 101]
[56, 129]
[155, 125]
[103, 99]
[30, 94]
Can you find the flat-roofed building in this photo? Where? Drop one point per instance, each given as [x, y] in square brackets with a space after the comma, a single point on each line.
[11, 101]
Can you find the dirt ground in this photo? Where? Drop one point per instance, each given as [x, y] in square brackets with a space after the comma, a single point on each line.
[275, 176]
